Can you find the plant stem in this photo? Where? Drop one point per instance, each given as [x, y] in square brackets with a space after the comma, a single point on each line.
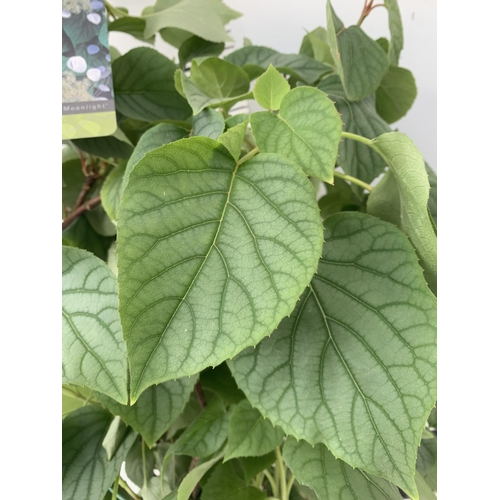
[200, 395]
[144, 468]
[249, 155]
[282, 474]
[356, 137]
[289, 485]
[126, 487]
[115, 487]
[272, 482]
[89, 205]
[354, 180]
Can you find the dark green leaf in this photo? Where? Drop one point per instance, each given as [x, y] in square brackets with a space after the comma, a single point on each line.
[255, 60]
[134, 463]
[134, 26]
[427, 462]
[81, 235]
[396, 94]
[251, 466]
[432, 203]
[354, 366]
[86, 472]
[360, 61]
[220, 380]
[190, 482]
[115, 437]
[105, 147]
[339, 198]
[197, 47]
[79, 29]
[144, 86]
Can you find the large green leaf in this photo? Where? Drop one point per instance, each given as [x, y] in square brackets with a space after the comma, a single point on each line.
[94, 353]
[396, 30]
[227, 482]
[355, 158]
[156, 409]
[360, 61]
[204, 18]
[331, 478]
[163, 133]
[208, 123]
[86, 472]
[306, 131]
[212, 255]
[408, 168]
[197, 47]
[396, 94]
[354, 366]
[270, 88]
[144, 86]
[255, 60]
[250, 434]
[112, 190]
[206, 434]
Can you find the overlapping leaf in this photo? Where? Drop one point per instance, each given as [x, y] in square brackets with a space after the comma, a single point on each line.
[94, 352]
[331, 478]
[306, 130]
[270, 89]
[212, 255]
[354, 366]
[396, 30]
[156, 409]
[87, 473]
[233, 138]
[208, 123]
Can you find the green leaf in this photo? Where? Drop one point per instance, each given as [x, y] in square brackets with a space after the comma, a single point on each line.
[396, 30]
[86, 472]
[432, 203]
[233, 139]
[250, 434]
[94, 353]
[99, 219]
[134, 466]
[339, 198]
[204, 18]
[315, 45]
[144, 86]
[134, 26]
[81, 235]
[330, 478]
[234, 120]
[112, 189]
[197, 47]
[74, 397]
[192, 224]
[424, 490]
[155, 410]
[408, 168]
[198, 100]
[251, 466]
[360, 118]
[306, 131]
[220, 380]
[255, 60]
[206, 434]
[208, 123]
[270, 88]
[163, 133]
[117, 432]
[190, 482]
[360, 61]
[218, 78]
[354, 366]
[72, 178]
[226, 483]
[384, 43]
[427, 461]
[110, 146]
[384, 201]
[396, 94]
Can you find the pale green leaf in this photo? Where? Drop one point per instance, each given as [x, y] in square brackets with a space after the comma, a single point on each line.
[206, 434]
[208, 123]
[190, 482]
[354, 366]
[86, 472]
[234, 120]
[163, 133]
[396, 30]
[144, 86]
[270, 88]
[74, 397]
[427, 434]
[197, 47]
[204, 18]
[359, 61]
[306, 131]
[198, 100]
[156, 408]
[315, 45]
[408, 167]
[117, 432]
[396, 94]
[219, 79]
[227, 483]
[355, 158]
[94, 353]
[233, 138]
[112, 189]
[331, 478]
[133, 26]
[212, 255]
[255, 60]
[250, 434]
[424, 490]
[98, 218]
